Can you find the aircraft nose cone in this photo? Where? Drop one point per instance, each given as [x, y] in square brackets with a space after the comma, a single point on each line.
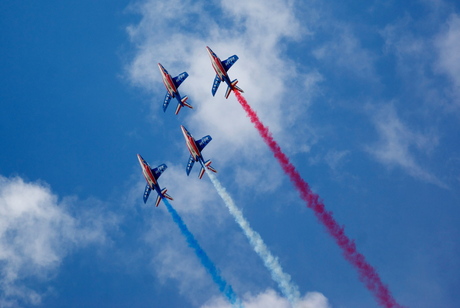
[141, 160]
[184, 131]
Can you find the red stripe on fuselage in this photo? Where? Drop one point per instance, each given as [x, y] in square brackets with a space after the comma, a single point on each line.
[191, 144]
[149, 176]
[169, 84]
[192, 147]
[217, 64]
[218, 68]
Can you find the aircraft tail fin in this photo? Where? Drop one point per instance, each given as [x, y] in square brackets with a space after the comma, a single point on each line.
[163, 194]
[183, 103]
[179, 106]
[163, 191]
[208, 166]
[233, 87]
[158, 200]
[200, 175]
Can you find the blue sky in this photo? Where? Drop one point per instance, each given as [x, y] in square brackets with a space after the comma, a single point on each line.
[363, 97]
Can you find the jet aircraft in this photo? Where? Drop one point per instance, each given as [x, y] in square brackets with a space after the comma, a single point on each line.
[195, 147]
[151, 176]
[171, 84]
[221, 68]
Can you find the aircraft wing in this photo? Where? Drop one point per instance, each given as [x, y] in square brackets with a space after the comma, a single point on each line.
[203, 142]
[147, 193]
[179, 79]
[215, 85]
[159, 170]
[229, 62]
[190, 163]
[166, 101]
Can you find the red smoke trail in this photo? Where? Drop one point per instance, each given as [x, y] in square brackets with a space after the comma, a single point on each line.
[367, 274]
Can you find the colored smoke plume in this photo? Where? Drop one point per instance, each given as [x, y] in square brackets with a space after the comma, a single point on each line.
[224, 287]
[367, 274]
[289, 290]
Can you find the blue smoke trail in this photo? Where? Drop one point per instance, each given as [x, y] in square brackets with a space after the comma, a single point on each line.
[289, 289]
[224, 287]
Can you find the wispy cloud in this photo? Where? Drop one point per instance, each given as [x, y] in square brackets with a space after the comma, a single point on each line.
[255, 32]
[252, 30]
[171, 258]
[345, 51]
[36, 232]
[335, 158]
[448, 46]
[426, 52]
[398, 142]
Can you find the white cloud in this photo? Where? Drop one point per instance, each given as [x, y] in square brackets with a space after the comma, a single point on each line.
[424, 58]
[201, 210]
[397, 143]
[255, 31]
[172, 260]
[271, 299]
[448, 45]
[36, 232]
[252, 30]
[345, 51]
[400, 39]
[335, 158]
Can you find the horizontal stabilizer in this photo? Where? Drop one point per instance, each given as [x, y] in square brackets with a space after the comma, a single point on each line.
[208, 165]
[157, 202]
[200, 175]
[163, 194]
[233, 86]
[184, 101]
[179, 106]
[228, 92]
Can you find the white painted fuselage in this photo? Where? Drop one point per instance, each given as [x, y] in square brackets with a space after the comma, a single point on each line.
[167, 81]
[147, 171]
[191, 144]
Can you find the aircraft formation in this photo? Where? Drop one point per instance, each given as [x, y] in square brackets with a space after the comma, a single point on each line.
[194, 146]
[367, 273]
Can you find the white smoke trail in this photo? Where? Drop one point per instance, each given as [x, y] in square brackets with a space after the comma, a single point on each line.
[289, 290]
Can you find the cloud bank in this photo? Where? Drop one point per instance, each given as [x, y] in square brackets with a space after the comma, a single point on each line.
[37, 231]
